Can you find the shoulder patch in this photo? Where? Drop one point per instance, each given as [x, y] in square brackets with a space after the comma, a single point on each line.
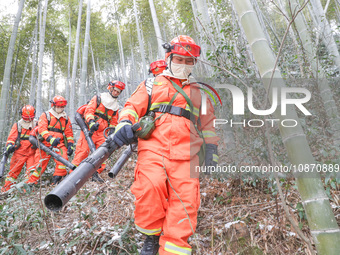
[158, 83]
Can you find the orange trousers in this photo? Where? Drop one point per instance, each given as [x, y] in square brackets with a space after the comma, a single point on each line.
[83, 150]
[41, 162]
[18, 161]
[162, 187]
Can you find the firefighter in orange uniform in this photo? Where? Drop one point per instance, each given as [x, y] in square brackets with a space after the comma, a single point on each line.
[53, 125]
[165, 177]
[101, 112]
[157, 67]
[18, 142]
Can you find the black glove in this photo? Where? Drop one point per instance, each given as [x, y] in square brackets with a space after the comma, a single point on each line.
[93, 126]
[53, 141]
[10, 148]
[211, 157]
[70, 149]
[124, 133]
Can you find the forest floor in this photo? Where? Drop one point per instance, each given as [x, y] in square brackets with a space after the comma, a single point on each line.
[234, 218]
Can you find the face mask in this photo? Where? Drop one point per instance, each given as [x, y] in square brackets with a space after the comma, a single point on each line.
[59, 110]
[181, 71]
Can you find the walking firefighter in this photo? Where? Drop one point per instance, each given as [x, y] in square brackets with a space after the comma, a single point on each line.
[101, 112]
[55, 128]
[182, 137]
[18, 143]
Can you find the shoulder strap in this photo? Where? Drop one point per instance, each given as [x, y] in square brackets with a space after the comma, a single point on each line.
[149, 86]
[99, 100]
[48, 117]
[19, 128]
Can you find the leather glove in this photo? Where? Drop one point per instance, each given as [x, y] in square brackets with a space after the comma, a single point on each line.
[93, 126]
[53, 141]
[10, 148]
[123, 133]
[70, 149]
[211, 157]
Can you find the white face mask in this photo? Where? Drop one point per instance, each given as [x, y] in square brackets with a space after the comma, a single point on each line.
[59, 110]
[181, 71]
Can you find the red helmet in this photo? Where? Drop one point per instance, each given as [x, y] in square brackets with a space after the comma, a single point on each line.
[58, 101]
[182, 45]
[118, 84]
[157, 67]
[28, 112]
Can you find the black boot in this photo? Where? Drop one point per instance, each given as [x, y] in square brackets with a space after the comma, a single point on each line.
[56, 179]
[151, 245]
[96, 178]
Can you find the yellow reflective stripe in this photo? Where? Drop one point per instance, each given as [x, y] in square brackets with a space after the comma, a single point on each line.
[24, 136]
[10, 142]
[99, 111]
[61, 167]
[44, 133]
[130, 112]
[156, 105]
[175, 249]
[196, 111]
[89, 116]
[36, 174]
[215, 157]
[208, 133]
[10, 179]
[69, 138]
[149, 232]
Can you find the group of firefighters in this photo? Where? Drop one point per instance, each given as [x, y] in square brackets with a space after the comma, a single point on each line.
[166, 188]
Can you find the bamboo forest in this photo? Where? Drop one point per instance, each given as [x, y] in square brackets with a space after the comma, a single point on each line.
[206, 127]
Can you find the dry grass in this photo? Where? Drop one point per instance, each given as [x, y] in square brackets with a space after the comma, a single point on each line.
[234, 218]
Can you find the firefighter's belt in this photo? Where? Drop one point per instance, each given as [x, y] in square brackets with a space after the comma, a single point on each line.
[55, 130]
[103, 116]
[24, 138]
[175, 110]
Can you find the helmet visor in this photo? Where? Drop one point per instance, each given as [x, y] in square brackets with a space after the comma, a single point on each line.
[61, 103]
[186, 49]
[27, 117]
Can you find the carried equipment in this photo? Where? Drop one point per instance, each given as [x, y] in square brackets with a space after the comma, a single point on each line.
[33, 140]
[80, 120]
[122, 160]
[3, 164]
[61, 194]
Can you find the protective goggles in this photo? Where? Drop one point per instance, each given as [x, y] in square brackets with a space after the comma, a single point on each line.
[186, 49]
[158, 64]
[27, 117]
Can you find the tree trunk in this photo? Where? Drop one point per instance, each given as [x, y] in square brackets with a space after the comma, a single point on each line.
[34, 59]
[320, 218]
[52, 81]
[324, 88]
[41, 60]
[94, 69]
[160, 54]
[69, 62]
[82, 99]
[75, 62]
[140, 40]
[326, 31]
[122, 60]
[23, 78]
[7, 72]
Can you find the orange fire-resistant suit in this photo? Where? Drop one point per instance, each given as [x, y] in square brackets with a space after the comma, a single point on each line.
[106, 118]
[24, 154]
[56, 127]
[164, 174]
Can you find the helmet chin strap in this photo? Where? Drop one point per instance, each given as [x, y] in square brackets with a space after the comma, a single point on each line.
[170, 64]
